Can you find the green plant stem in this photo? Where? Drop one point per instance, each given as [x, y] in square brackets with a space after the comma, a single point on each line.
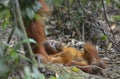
[21, 27]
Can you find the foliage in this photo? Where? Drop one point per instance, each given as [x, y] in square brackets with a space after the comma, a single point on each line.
[4, 13]
[29, 9]
[115, 18]
[7, 61]
[86, 17]
[10, 60]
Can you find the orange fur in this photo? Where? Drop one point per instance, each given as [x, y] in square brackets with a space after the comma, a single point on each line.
[91, 54]
[35, 30]
[45, 8]
[71, 56]
[67, 56]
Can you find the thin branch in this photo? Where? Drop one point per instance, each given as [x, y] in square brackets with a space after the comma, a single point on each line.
[83, 9]
[90, 66]
[83, 32]
[98, 26]
[76, 25]
[106, 19]
[9, 38]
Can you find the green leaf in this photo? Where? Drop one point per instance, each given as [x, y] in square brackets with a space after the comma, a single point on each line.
[4, 2]
[104, 37]
[3, 68]
[115, 18]
[8, 15]
[108, 1]
[32, 40]
[53, 77]
[37, 16]
[2, 13]
[4, 24]
[36, 74]
[75, 69]
[5, 15]
[27, 72]
[36, 6]
[29, 40]
[30, 13]
[71, 2]
[46, 32]
[22, 56]
[58, 2]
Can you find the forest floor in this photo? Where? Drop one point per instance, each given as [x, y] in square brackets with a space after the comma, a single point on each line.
[111, 72]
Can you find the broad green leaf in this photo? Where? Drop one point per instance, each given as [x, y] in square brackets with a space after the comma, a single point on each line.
[32, 40]
[29, 40]
[30, 13]
[36, 6]
[4, 2]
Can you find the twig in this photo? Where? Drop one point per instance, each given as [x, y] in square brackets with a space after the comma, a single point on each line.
[83, 32]
[9, 38]
[84, 10]
[90, 66]
[110, 39]
[106, 19]
[11, 34]
[99, 26]
[75, 26]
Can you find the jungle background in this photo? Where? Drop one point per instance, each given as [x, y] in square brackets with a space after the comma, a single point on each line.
[71, 21]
